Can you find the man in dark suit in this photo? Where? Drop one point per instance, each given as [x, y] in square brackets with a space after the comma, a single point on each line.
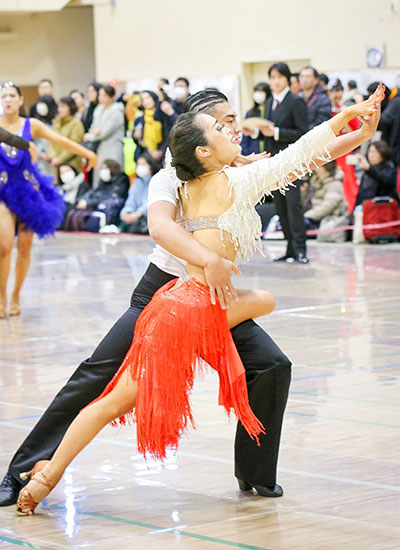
[288, 112]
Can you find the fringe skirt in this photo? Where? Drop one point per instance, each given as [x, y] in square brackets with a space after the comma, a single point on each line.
[178, 330]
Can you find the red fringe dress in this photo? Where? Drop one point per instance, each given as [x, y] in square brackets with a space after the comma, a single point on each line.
[180, 326]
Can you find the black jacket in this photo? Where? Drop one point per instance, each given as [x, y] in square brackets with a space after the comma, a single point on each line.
[290, 117]
[390, 126]
[319, 107]
[117, 187]
[378, 181]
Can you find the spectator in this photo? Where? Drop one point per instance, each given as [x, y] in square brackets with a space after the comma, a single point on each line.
[251, 143]
[163, 89]
[73, 184]
[134, 213]
[45, 111]
[295, 83]
[45, 87]
[288, 112]
[107, 129]
[324, 81]
[108, 199]
[70, 127]
[316, 98]
[352, 93]
[148, 132]
[379, 177]
[326, 196]
[181, 93]
[336, 95]
[390, 127]
[79, 98]
[87, 117]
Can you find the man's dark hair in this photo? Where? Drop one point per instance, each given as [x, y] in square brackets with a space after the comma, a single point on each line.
[297, 75]
[324, 78]
[185, 80]
[185, 136]
[70, 103]
[204, 101]
[110, 90]
[315, 72]
[165, 80]
[281, 68]
[77, 92]
[352, 85]
[46, 80]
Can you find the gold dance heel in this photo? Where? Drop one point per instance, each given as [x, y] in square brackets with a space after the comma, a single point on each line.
[26, 505]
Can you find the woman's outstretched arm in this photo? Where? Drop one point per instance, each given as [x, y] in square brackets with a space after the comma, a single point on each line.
[40, 130]
[314, 149]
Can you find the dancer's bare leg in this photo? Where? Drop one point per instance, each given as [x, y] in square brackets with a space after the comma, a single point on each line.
[24, 246]
[251, 304]
[89, 422]
[7, 233]
[84, 428]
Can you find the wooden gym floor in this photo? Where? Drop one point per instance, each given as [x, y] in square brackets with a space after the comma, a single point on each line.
[337, 318]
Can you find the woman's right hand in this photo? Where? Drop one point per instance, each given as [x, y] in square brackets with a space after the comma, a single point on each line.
[92, 160]
[370, 106]
[33, 152]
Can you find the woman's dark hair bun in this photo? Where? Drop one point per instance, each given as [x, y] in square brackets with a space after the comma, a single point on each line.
[185, 136]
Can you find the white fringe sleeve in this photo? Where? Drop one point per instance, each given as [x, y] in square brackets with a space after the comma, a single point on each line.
[252, 181]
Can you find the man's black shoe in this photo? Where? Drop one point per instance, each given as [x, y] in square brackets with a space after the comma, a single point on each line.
[284, 258]
[301, 258]
[9, 490]
[262, 490]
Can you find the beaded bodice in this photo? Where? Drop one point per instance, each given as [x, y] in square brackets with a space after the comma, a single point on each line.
[204, 222]
[250, 183]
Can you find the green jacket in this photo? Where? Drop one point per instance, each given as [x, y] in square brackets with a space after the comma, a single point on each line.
[71, 128]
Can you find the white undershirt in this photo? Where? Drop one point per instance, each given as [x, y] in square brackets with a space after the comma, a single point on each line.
[162, 188]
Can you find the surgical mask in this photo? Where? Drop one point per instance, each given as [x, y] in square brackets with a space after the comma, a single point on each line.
[179, 92]
[42, 109]
[68, 176]
[105, 174]
[142, 171]
[259, 97]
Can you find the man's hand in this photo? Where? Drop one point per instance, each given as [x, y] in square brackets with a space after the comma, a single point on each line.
[218, 272]
[167, 108]
[267, 131]
[240, 160]
[82, 204]
[33, 152]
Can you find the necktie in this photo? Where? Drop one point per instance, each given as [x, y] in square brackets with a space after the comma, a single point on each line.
[275, 104]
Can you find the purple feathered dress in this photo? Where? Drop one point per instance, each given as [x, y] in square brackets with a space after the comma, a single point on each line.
[28, 193]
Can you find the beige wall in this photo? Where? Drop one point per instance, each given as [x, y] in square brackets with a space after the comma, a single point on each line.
[135, 39]
[56, 45]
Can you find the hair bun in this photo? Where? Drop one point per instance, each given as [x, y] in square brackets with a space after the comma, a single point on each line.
[183, 172]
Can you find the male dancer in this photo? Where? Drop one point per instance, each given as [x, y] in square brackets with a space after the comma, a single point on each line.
[268, 369]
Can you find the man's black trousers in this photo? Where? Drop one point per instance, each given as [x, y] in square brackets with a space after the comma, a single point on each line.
[268, 373]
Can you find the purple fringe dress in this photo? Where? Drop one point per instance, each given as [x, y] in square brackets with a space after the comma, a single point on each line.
[28, 193]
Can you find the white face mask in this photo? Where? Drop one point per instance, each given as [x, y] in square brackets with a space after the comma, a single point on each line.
[42, 109]
[179, 92]
[105, 174]
[259, 97]
[68, 176]
[142, 171]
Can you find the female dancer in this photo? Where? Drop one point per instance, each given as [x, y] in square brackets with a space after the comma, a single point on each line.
[180, 326]
[29, 203]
